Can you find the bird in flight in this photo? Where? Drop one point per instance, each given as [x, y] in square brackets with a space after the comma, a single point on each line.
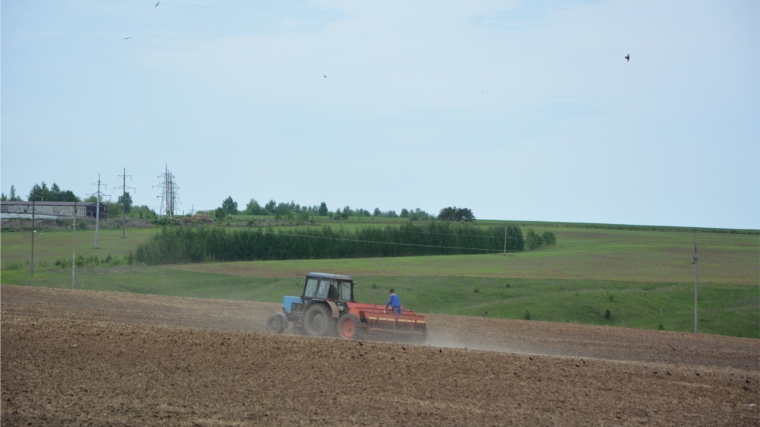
[127, 38]
[325, 75]
[159, 1]
[627, 57]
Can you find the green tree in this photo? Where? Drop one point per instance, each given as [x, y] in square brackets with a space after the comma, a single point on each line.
[323, 209]
[253, 208]
[418, 214]
[549, 238]
[271, 206]
[532, 240]
[465, 214]
[143, 212]
[39, 192]
[456, 214]
[404, 213]
[377, 212]
[125, 201]
[13, 196]
[219, 213]
[282, 209]
[447, 214]
[113, 208]
[229, 206]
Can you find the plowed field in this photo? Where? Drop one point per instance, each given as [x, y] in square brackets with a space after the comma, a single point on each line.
[97, 358]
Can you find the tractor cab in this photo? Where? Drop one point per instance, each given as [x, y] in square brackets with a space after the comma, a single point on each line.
[328, 287]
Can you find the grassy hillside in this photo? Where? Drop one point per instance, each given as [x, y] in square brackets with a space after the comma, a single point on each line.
[644, 277]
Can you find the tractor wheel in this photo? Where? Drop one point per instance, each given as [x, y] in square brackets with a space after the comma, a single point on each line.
[284, 320]
[349, 327]
[275, 324]
[318, 321]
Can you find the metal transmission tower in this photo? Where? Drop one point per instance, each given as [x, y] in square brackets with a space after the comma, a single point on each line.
[168, 194]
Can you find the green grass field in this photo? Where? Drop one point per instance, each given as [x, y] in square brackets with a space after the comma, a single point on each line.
[644, 277]
[50, 246]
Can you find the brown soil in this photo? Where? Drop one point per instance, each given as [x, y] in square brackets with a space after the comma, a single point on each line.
[97, 358]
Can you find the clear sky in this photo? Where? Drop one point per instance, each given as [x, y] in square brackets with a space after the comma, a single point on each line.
[518, 110]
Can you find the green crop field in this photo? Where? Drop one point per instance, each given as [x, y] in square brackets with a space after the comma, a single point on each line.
[632, 277]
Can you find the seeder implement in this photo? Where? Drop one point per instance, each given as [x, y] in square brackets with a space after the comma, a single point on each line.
[377, 323]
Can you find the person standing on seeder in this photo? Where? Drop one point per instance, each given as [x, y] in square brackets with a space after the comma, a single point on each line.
[395, 302]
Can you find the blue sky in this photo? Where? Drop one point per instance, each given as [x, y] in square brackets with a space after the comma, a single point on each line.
[516, 110]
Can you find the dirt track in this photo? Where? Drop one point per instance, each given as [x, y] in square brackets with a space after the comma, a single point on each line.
[95, 358]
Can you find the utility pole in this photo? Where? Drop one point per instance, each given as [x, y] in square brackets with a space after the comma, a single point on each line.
[505, 238]
[74, 246]
[98, 196]
[696, 280]
[124, 203]
[33, 231]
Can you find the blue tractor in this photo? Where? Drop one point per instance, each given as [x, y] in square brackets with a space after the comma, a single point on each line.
[327, 307]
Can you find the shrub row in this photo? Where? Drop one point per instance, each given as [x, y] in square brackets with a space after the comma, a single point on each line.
[92, 260]
[178, 245]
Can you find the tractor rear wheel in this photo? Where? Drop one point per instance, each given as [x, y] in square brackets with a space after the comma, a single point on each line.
[318, 321]
[275, 325]
[349, 327]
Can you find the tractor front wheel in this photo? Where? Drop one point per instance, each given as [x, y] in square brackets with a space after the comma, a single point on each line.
[349, 327]
[318, 321]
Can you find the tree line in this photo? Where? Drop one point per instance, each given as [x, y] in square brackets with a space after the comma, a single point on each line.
[40, 193]
[293, 211]
[177, 245]
[288, 211]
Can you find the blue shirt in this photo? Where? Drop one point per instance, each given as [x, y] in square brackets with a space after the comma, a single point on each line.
[393, 301]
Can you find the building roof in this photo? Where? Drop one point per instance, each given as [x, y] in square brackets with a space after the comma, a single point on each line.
[44, 203]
